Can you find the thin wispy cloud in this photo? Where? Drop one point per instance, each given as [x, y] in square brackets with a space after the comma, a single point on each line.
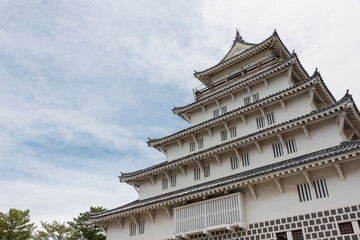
[84, 83]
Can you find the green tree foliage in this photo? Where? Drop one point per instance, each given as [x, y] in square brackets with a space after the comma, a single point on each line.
[85, 231]
[16, 225]
[55, 231]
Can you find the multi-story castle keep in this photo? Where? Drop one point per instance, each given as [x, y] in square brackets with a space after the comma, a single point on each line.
[270, 154]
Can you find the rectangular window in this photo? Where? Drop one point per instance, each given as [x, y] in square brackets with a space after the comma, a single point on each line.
[173, 181]
[141, 227]
[223, 135]
[297, 235]
[271, 118]
[281, 236]
[321, 188]
[245, 159]
[196, 174]
[206, 171]
[192, 146]
[216, 113]
[260, 122]
[165, 183]
[132, 229]
[247, 101]
[256, 97]
[234, 162]
[304, 192]
[291, 146]
[200, 143]
[346, 228]
[233, 132]
[278, 150]
[223, 110]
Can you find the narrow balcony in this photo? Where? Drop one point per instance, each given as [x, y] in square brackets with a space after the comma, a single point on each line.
[225, 212]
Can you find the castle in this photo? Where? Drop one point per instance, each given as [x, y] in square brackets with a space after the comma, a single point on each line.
[269, 154]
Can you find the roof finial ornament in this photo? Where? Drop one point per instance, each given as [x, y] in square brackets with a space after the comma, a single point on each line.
[238, 37]
[275, 32]
[316, 72]
[347, 91]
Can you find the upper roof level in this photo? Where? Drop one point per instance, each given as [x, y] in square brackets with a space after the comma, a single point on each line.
[240, 52]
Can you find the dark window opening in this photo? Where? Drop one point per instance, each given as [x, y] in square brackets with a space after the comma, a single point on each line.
[281, 236]
[297, 235]
[346, 228]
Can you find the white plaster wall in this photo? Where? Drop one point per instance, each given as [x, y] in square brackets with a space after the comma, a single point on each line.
[236, 68]
[270, 204]
[162, 228]
[296, 106]
[322, 135]
[276, 84]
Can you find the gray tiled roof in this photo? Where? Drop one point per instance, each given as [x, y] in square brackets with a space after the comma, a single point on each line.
[222, 61]
[240, 82]
[151, 140]
[346, 97]
[344, 147]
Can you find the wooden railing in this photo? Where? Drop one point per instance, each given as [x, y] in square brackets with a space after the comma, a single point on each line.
[210, 214]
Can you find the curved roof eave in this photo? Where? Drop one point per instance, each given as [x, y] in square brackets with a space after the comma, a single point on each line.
[238, 58]
[163, 164]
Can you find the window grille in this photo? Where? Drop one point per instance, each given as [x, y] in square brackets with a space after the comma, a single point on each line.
[141, 227]
[132, 229]
[291, 146]
[346, 228]
[304, 192]
[260, 122]
[200, 143]
[223, 135]
[216, 113]
[196, 174]
[271, 118]
[278, 150]
[233, 132]
[297, 235]
[165, 183]
[245, 159]
[256, 97]
[281, 236]
[173, 181]
[206, 171]
[234, 162]
[247, 101]
[192, 146]
[223, 110]
[321, 188]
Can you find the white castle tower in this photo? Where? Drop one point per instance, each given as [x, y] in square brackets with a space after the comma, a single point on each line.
[270, 154]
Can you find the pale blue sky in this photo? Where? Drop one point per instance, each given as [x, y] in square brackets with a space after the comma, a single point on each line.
[84, 83]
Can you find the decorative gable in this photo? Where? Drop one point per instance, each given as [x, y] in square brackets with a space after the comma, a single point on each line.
[236, 49]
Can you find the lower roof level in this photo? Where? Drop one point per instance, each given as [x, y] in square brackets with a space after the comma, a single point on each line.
[333, 156]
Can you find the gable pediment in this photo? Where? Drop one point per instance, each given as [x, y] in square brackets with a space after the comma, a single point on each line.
[236, 49]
